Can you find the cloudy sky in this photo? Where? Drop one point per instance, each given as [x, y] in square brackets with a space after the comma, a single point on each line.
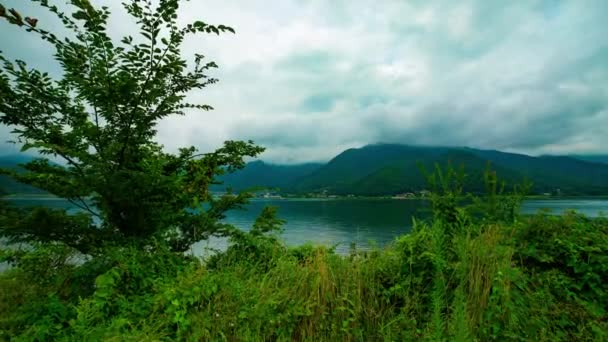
[310, 78]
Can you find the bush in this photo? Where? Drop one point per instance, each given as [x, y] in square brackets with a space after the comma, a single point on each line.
[537, 279]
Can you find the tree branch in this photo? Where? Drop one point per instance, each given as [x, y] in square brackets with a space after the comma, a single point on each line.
[153, 66]
[84, 206]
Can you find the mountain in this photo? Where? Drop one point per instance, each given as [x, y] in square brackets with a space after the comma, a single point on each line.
[594, 158]
[11, 186]
[385, 169]
[570, 175]
[353, 165]
[397, 171]
[389, 169]
[406, 176]
[259, 173]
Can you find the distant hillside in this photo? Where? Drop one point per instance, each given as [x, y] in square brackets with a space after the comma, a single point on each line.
[385, 169]
[570, 175]
[406, 176]
[9, 185]
[388, 169]
[598, 158]
[261, 174]
[351, 166]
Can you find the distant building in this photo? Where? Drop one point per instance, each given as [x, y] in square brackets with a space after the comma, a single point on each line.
[271, 195]
[404, 195]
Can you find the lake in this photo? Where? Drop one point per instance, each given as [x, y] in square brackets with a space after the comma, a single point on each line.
[341, 222]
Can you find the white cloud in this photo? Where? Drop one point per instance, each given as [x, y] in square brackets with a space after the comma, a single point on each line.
[309, 78]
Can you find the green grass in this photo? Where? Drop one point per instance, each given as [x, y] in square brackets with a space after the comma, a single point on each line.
[541, 278]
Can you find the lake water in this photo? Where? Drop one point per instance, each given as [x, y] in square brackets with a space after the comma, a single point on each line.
[342, 222]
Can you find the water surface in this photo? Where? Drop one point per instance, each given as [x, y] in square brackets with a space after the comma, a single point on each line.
[341, 222]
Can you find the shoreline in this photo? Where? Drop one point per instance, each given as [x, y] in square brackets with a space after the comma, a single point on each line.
[27, 196]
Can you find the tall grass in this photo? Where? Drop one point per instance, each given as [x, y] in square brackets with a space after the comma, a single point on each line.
[483, 284]
[457, 277]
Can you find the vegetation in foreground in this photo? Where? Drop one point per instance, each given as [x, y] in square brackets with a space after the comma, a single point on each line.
[470, 273]
[475, 272]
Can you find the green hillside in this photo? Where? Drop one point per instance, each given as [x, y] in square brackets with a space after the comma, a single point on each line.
[596, 158]
[392, 169]
[353, 165]
[570, 175]
[385, 169]
[261, 174]
[11, 186]
[405, 176]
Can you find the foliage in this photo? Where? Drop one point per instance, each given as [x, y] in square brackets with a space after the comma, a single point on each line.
[100, 118]
[260, 245]
[475, 271]
[496, 204]
[475, 277]
[568, 258]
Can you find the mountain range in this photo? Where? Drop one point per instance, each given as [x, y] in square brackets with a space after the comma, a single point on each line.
[9, 185]
[387, 169]
[598, 158]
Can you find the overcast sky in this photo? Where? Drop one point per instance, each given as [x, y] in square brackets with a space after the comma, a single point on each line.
[310, 78]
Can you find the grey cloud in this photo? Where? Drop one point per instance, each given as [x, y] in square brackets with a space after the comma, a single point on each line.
[307, 79]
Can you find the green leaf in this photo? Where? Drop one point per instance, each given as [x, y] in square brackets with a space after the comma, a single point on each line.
[80, 15]
[26, 147]
[99, 116]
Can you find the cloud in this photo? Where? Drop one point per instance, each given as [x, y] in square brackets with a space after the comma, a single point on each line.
[309, 78]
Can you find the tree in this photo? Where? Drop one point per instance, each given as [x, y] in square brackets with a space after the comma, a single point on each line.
[100, 117]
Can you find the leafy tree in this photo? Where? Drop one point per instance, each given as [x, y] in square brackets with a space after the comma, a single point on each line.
[100, 117]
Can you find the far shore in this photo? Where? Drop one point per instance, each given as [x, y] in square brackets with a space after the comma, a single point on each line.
[31, 196]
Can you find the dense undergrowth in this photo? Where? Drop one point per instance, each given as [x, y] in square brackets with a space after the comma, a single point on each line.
[471, 272]
[539, 278]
